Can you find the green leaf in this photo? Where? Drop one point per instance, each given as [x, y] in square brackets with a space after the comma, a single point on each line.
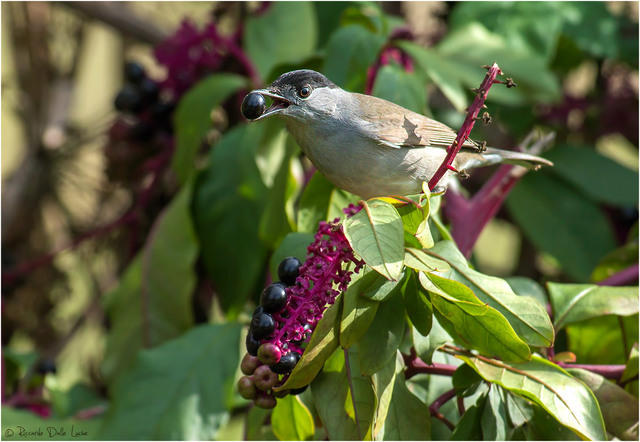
[181, 388]
[470, 425]
[274, 225]
[229, 198]
[444, 72]
[602, 340]
[494, 416]
[527, 287]
[631, 371]
[193, 118]
[426, 345]
[383, 383]
[557, 219]
[328, 14]
[417, 304]
[407, 416]
[285, 33]
[619, 408]
[294, 244]
[400, 87]
[592, 27]
[383, 338]
[332, 399]
[376, 234]
[349, 53]
[477, 324]
[528, 317]
[551, 387]
[339, 200]
[26, 425]
[422, 262]
[67, 402]
[577, 302]
[168, 270]
[152, 304]
[323, 342]
[375, 287]
[597, 176]
[616, 261]
[292, 420]
[314, 203]
[358, 312]
[255, 424]
[534, 423]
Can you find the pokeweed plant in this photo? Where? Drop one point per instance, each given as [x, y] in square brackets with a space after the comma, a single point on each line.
[369, 323]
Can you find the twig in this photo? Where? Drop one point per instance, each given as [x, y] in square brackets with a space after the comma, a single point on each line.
[415, 366]
[120, 17]
[626, 276]
[353, 396]
[434, 408]
[465, 129]
[607, 371]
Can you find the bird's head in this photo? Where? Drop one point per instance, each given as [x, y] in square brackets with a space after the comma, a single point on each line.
[300, 95]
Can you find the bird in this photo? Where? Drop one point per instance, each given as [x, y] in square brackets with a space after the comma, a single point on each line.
[366, 145]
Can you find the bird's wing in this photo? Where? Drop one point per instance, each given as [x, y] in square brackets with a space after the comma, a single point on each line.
[394, 126]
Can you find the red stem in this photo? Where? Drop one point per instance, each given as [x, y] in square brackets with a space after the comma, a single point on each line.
[415, 366]
[434, 408]
[607, 371]
[626, 276]
[465, 130]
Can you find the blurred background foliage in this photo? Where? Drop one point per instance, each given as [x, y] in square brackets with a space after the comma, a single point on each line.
[118, 237]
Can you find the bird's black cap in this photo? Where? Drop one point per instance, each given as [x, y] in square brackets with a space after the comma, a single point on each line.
[302, 77]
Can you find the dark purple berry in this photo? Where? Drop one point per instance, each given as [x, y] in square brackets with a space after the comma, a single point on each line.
[289, 269]
[269, 354]
[262, 324]
[129, 99]
[162, 110]
[249, 364]
[286, 363]
[265, 401]
[46, 366]
[142, 131]
[296, 391]
[274, 297]
[133, 72]
[252, 344]
[149, 90]
[253, 106]
[264, 378]
[247, 388]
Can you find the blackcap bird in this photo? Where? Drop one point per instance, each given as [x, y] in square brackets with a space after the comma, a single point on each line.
[364, 144]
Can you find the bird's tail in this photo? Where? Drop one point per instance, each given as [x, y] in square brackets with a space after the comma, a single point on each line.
[519, 158]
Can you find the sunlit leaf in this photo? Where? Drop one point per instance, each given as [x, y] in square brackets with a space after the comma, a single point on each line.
[291, 420]
[376, 234]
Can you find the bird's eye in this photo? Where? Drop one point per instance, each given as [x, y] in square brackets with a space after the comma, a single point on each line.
[305, 91]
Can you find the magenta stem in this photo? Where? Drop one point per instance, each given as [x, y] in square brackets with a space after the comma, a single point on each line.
[626, 276]
[415, 366]
[434, 408]
[465, 130]
[607, 371]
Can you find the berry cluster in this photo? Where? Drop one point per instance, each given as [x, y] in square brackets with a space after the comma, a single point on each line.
[290, 310]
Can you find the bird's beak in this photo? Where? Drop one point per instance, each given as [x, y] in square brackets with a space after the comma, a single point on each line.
[279, 103]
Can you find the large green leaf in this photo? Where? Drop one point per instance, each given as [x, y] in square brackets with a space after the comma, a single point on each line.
[332, 399]
[358, 311]
[595, 175]
[470, 425]
[323, 342]
[349, 53]
[193, 118]
[577, 302]
[602, 340]
[419, 260]
[426, 345]
[417, 304]
[477, 324]
[532, 422]
[314, 203]
[152, 304]
[383, 338]
[551, 387]
[527, 316]
[377, 235]
[407, 417]
[26, 425]
[398, 86]
[229, 198]
[285, 33]
[375, 287]
[291, 420]
[557, 219]
[494, 416]
[619, 408]
[177, 391]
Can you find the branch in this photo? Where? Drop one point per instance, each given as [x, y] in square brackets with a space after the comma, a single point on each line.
[607, 371]
[626, 276]
[415, 366]
[120, 17]
[434, 408]
[465, 130]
